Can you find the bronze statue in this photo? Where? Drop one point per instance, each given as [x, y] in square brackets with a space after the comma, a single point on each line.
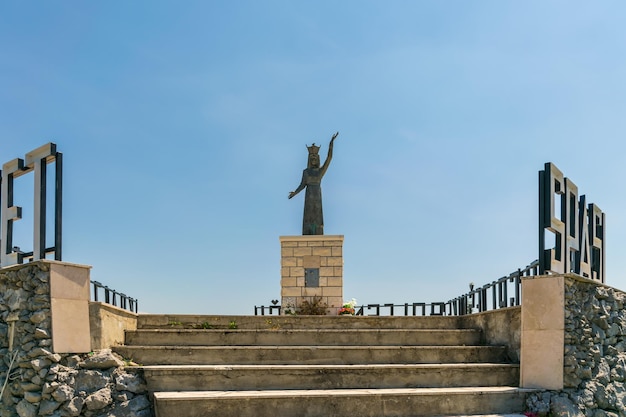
[313, 221]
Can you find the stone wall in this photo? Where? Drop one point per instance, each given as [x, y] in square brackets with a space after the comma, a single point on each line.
[36, 381]
[324, 253]
[107, 324]
[500, 327]
[594, 359]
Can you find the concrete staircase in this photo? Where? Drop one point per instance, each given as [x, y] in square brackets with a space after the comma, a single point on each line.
[301, 366]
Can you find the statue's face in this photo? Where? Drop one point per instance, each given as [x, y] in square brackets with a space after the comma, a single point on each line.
[314, 161]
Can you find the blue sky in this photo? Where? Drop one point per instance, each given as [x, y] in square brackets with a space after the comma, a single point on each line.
[183, 128]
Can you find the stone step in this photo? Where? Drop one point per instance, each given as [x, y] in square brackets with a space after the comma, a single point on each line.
[171, 321]
[280, 377]
[310, 355]
[354, 402]
[304, 337]
[489, 415]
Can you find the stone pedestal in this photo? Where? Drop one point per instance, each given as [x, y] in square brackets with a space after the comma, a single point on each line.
[312, 266]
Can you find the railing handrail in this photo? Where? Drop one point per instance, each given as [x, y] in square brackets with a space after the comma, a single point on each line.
[499, 292]
[476, 298]
[111, 296]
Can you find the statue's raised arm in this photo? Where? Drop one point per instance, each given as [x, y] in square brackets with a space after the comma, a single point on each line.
[329, 157]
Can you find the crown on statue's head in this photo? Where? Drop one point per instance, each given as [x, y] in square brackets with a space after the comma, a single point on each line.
[313, 150]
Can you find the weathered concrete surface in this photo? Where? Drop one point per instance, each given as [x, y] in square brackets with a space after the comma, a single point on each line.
[336, 355]
[365, 366]
[499, 327]
[180, 321]
[108, 325]
[362, 403]
[256, 377]
[304, 337]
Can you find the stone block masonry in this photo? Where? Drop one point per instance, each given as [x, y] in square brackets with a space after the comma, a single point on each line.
[312, 266]
[45, 356]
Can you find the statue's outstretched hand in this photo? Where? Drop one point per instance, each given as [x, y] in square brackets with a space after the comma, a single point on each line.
[334, 136]
[291, 194]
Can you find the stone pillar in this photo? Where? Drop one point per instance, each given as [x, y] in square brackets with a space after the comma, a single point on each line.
[69, 305]
[312, 266]
[543, 332]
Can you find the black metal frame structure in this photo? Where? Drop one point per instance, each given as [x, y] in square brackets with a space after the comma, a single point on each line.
[37, 161]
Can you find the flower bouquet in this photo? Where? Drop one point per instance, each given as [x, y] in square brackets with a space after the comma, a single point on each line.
[348, 308]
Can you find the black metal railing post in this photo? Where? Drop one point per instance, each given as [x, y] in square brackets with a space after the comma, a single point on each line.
[111, 296]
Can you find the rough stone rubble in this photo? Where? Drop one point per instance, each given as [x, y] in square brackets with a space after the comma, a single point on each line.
[42, 383]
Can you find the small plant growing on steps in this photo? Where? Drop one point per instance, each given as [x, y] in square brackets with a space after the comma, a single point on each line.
[130, 362]
[232, 325]
[314, 307]
[271, 325]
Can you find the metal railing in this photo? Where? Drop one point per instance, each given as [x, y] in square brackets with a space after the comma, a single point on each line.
[114, 298]
[406, 309]
[270, 310]
[501, 293]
